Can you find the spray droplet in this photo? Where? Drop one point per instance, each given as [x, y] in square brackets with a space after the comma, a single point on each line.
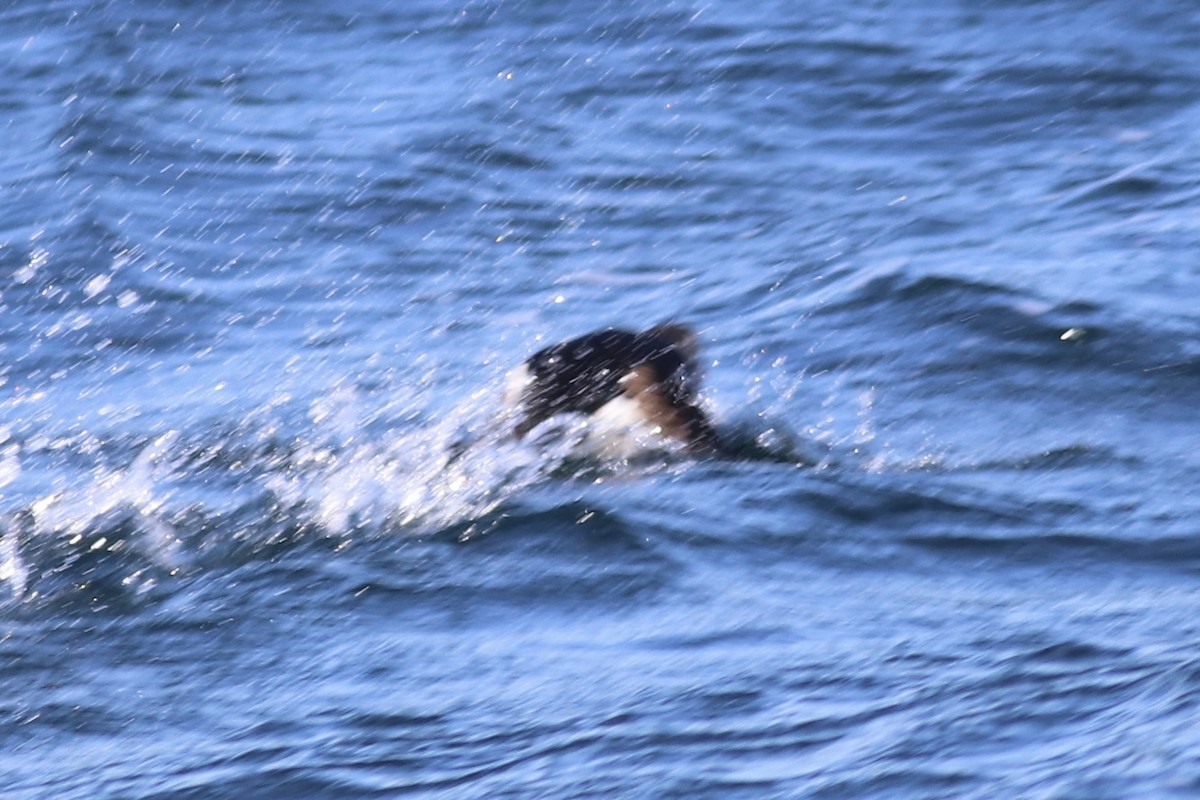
[1072, 335]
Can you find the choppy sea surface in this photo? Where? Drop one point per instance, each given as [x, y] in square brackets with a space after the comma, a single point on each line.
[264, 266]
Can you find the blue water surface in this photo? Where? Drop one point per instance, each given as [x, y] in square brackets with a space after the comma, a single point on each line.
[264, 267]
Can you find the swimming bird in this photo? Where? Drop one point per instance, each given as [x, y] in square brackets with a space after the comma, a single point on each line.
[653, 372]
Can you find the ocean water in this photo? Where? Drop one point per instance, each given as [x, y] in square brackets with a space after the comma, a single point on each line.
[264, 266]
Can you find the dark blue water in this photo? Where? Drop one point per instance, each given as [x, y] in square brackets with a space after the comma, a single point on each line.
[264, 266]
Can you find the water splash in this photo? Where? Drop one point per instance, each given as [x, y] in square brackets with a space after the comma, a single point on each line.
[137, 488]
[12, 569]
[358, 462]
[420, 478]
[114, 529]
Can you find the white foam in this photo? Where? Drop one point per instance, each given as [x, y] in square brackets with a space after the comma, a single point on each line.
[12, 568]
[419, 478]
[139, 488]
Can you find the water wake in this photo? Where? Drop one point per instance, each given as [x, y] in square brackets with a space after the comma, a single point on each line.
[160, 508]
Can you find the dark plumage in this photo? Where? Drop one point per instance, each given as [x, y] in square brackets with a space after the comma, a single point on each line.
[656, 368]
